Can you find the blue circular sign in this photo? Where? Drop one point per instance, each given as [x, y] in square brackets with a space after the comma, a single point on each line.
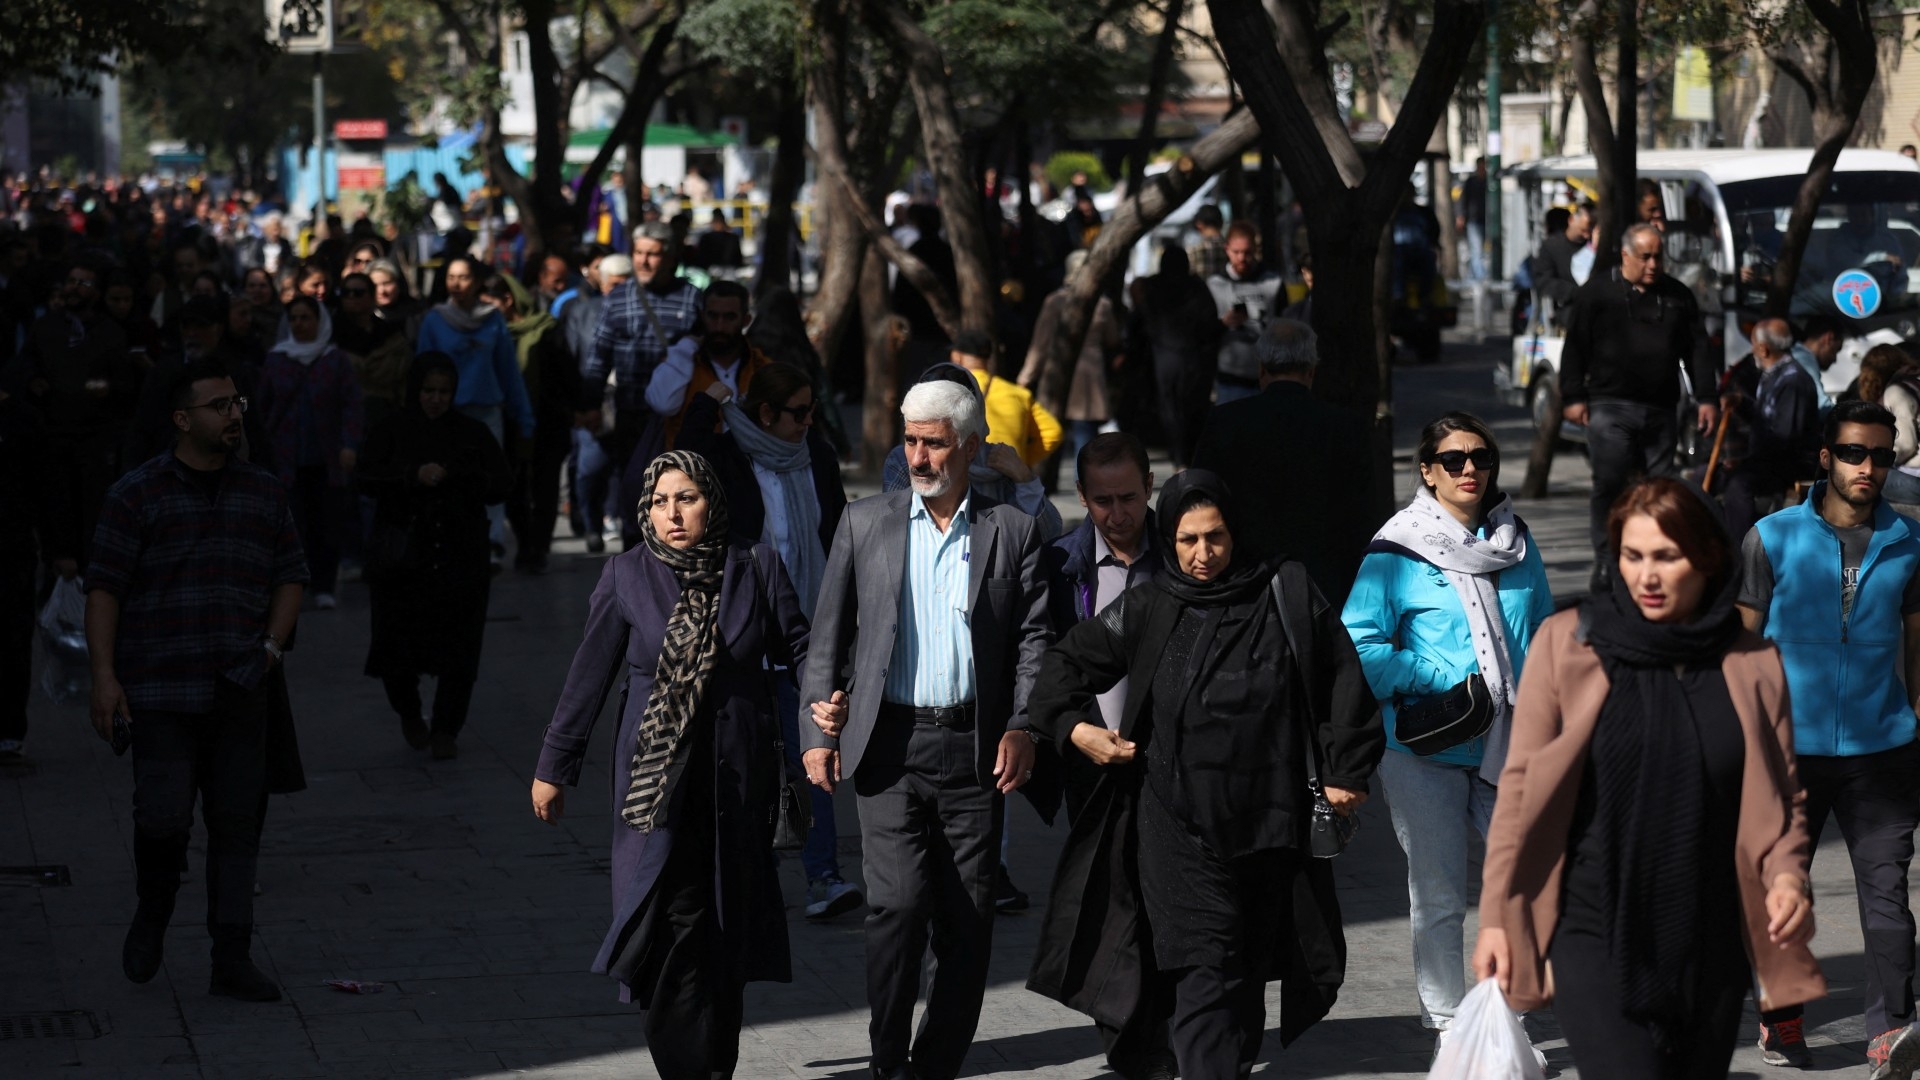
[1856, 293]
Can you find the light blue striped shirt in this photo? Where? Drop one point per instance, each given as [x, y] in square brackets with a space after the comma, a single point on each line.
[932, 662]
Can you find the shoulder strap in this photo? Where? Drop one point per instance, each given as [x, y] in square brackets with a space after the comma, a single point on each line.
[1296, 636]
[653, 318]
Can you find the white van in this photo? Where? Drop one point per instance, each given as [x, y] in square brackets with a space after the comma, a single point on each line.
[1726, 212]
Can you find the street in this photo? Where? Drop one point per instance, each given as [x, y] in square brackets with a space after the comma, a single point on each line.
[437, 881]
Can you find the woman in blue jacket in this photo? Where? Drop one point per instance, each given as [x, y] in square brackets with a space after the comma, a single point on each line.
[492, 391]
[1451, 585]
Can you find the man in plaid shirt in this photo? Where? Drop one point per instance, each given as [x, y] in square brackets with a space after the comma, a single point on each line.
[193, 588]
[641, 319]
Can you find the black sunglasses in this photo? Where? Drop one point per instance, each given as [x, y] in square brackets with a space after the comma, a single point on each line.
[798, 412]
[1854, 454]
[1455, 461]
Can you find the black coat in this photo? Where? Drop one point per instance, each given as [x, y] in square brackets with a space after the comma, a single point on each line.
[1322, 512]
[1094, 954]
[429, 554]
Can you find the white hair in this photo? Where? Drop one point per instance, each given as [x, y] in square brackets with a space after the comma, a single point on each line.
[933, 402]
[1635, 232]
[1776, 336]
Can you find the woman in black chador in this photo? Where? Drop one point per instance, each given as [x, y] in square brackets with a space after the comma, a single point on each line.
[1187, 884]
[433, 472]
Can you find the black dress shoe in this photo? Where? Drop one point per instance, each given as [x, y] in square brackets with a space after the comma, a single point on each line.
[901, 1072]
[145, 945]
[240, 980]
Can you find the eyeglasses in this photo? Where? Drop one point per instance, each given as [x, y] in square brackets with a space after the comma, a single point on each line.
[81, 282]
[1455, 461]
[226, 405]
[1854, 454]
[798, 412]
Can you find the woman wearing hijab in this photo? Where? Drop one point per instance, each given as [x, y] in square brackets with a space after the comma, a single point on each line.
[552, 375]
[1452, 587]
[1650, 840]
[475, 334]
[687, 623]
[392, 301]
[432, 473]
[380, 350]
[783, 490]
[1242, 685]
[309, 400]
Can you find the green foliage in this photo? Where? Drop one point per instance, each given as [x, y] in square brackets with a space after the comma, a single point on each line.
[71, 41]
[1040, 50]
[408, 205]
[756, 41]
[1061, 167]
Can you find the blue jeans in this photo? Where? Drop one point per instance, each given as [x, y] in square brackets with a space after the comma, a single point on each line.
[592, 476]
[1433, 805]
[819, 858]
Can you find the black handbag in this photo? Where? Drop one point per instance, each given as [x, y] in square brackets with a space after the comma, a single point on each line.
[792, 807]
[1330, 831]
[1444, 721]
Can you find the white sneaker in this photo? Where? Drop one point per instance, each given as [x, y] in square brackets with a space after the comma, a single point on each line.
[829, 897]
[325, 601]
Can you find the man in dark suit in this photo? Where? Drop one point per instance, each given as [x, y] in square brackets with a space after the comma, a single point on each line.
[1302, 469]
[933, 617]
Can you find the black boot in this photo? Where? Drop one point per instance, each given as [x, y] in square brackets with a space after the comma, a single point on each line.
[156, 861]
[234, 975]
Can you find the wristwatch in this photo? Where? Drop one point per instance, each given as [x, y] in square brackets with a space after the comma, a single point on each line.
[1035, 736]
[272, 645]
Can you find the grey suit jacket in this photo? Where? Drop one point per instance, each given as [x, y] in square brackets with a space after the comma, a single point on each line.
[859, 610]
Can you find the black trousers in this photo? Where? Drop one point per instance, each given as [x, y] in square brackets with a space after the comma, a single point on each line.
[219, 757]
[18, 566]
[1625, 441]
[451, 700]
[1876, 800]
[930, 835]
[535, 502]
[1608, 1045]
[319, 511]
[1745, 486]
[697, 1002]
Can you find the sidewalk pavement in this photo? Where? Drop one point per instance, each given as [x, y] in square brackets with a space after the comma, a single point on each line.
[436, 880]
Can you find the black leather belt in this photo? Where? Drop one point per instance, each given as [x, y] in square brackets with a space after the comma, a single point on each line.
[946, 716]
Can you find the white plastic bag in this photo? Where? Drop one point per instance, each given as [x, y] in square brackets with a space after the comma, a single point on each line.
[65, 675]
[1486, 1041]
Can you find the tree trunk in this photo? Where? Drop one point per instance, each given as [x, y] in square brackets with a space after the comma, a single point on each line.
[880, 408]
[1134, 218]
[1608, 212]
[558, 222]
[1626, 142]
[1281, 70]
[1837, 95]
[843, 251]
[940, 134]
[1156, 95]
[1440, 187]
[789, 170]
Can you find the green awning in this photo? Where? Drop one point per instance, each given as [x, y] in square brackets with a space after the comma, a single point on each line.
[657, 135]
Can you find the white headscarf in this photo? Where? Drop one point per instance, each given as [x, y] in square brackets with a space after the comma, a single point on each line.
[305, 353]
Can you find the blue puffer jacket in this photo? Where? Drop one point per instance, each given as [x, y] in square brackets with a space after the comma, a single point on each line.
[1411, 630]
[1845, 675]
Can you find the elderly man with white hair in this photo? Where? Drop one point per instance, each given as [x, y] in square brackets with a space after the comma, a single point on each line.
[927, 637]
[1783, 421]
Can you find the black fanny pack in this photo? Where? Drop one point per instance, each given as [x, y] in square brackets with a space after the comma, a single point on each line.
[1444, 721]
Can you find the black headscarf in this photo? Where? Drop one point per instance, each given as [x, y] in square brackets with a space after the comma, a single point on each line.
[1650, 792]
[429, 363]
[1245, 575]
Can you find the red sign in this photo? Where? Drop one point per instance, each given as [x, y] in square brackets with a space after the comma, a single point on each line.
[372, 178]
[360, 129]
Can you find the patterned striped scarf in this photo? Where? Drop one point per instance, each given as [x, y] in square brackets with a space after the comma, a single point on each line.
[692, 646]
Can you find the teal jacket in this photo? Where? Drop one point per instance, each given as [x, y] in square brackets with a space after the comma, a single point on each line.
[1846, 676]
[1410, 630]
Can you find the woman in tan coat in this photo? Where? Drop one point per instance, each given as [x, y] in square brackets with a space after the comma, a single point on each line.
[1647, 862]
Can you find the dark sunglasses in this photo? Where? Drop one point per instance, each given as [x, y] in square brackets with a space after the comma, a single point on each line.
[1854, 454]
[1455, 461]
[798, 412]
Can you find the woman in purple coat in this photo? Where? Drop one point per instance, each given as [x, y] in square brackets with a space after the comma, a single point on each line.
[686, 623]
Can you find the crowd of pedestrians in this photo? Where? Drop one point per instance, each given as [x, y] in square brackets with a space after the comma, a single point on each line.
[1208, 675]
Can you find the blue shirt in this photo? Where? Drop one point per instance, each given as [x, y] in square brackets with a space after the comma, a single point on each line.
[932, 662]
[1806, 359]
[626, 343]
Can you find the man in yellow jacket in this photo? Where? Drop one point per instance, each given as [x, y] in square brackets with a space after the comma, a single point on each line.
[1012, 414]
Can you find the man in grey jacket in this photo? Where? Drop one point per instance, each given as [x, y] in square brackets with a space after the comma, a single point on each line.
[927, 638]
